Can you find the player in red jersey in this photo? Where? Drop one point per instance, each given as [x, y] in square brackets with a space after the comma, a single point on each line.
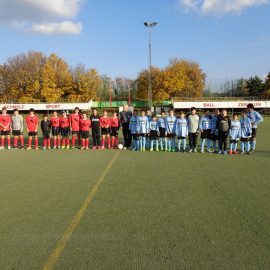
[5, 128]
[85, 125]
[75, 126]
[115, 125]
[65, 130]
[105, 124]
[32, 128]
[55, 124]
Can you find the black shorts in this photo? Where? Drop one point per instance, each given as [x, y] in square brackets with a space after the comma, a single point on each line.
[5, 133]
[84, 134]
[55, 131]
[65, 131]
[206, 134]
[153, 135]
[75, 133]
[32, 134]
[143, 135]
[171, 136]
[114, 131]
[254, 133]
[135, 137]
[234, 141]
[245, 139]
[46, 136]
[17, 133]
[181, 138]
[162, 132]
[105, 131]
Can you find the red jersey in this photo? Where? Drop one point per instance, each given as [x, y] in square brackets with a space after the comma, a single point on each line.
[55, 121]
[75, 122]
[85, 124]
[64, 122]
[105, 122]
[5, 120]
[32, 123]
[115, 122]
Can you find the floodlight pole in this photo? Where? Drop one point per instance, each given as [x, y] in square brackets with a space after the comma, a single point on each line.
[150, 26]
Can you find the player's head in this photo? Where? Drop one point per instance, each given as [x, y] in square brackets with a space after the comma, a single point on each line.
[95, 111]
[55, 113]
[244, 113]
[154, 117]
[114, 113]
[148, 112]
[163, 114]
[224, 112]
[15, 111]
[143, 112]
[4, 110]
[84, 115]
[182, 114]
[32, 111]
[171, 112]
[45, 117]
[235, 116]
[77, 110]
[193, 110]
[105, 113]
[135, 112]
[216, 112]
[64, 113]
[250, 107]
[206, 112]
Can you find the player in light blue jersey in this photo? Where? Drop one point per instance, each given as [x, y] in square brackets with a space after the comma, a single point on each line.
[255, 119]
[205, 127]
[133, 131]
[181, 131]
[245, 133]
[214, 131]
[162, 131]
[170, 131]
[142, 130]
[154, 133]
[234, 134]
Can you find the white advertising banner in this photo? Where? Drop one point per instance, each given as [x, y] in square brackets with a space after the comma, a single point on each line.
[48, 107]
[221, 104]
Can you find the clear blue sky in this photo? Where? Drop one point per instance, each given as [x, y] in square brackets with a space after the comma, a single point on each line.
[113, 38]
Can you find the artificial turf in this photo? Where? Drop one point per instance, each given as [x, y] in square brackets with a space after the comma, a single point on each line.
[152, 211]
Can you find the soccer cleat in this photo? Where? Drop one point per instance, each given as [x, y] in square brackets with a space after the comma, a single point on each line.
[202, 151]
[220, 153]
[94, 148]
[86, 148]
[248, 153]
[157, 150]
[44, 148]
[9, 148]
[1, 148]
[151, 150]
[209, 151]
[230, 152]
[242, 153]
[28, 148]
[173, 150]
[190, 151]
[36, 148]
[73, 147]
[68, 146]
[63, 147]
[143, 149]
[225, 153]
[235, 152]
[54, 147]
[102, 147]
[195, 150]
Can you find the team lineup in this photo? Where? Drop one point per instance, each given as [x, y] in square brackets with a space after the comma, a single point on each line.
[141, 132]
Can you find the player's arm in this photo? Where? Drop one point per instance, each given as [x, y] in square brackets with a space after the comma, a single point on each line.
[258, 118]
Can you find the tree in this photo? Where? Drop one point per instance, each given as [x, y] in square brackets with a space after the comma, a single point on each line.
[255, 86]
[266, 93]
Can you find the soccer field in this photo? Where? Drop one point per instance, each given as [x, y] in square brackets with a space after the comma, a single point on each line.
[130, 210]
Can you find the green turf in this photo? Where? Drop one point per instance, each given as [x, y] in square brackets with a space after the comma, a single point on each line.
[153, 210]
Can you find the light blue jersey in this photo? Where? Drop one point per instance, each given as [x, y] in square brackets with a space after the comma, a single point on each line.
[142, 125]
[214, 127]
[162, 122]
[255, 118]
[246, 128]
[205, 123]
[170, 124]
[133, 124]
[181, 127]
[153, 126]
[235, 130]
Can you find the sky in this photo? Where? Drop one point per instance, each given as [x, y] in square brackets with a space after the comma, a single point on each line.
[228, 38]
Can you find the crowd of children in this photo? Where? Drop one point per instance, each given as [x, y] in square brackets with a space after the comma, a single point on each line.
[147, 131]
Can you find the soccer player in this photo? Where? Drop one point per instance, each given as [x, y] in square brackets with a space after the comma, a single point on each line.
[224, 125]
[206, 129]
[64, 124]
[256, 119]
[154, 133]
[17, 128]
[75, 126]
[95, 122]
[245, 133]
[55, 124]
[105, 123]
[115, 125]
[5, 128]
[85, 125]
[193, 129]
[214, 131]
[142, 130]
[148, 140]
[162, 131]
[46, 132]
[234, 134]
[133, 131]
[170, 131]
[32, 129]
[181, 129]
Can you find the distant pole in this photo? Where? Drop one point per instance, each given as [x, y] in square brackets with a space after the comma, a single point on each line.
[129, 94]
[150, 26]
[110, 89]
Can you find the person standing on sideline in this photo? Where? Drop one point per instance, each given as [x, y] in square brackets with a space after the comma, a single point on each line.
[255, 119]
[17, 128]
[95, 119]
[224, 126]
[193, 130]
[125, 116]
